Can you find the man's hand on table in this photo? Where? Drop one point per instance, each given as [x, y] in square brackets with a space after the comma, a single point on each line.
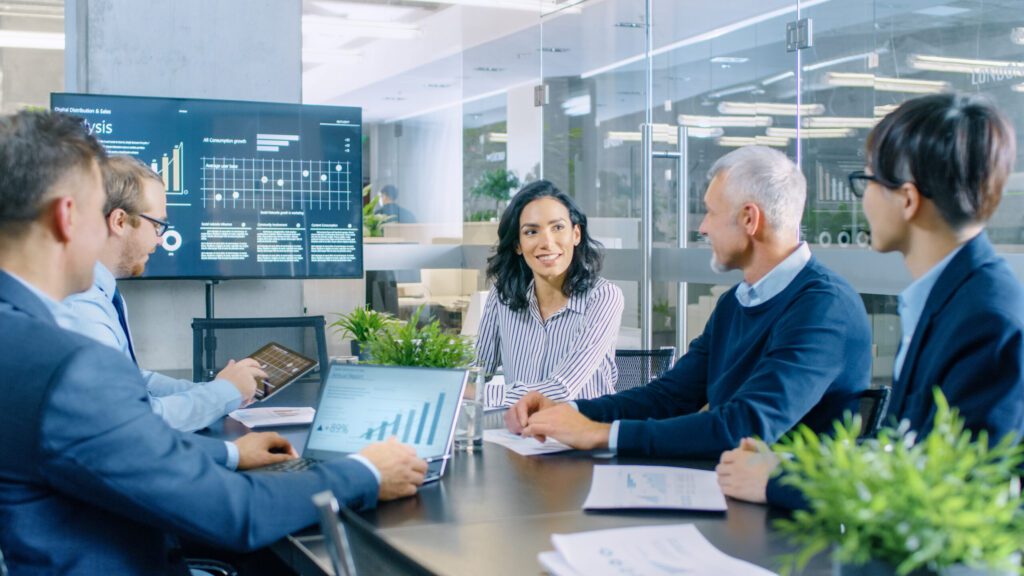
[257, 449]
[517, 416]
[401, 471]
[565, 424]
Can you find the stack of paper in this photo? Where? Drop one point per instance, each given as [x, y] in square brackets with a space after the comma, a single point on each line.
[524, 446]
[649, 550]
[661, 487]
[257, 417]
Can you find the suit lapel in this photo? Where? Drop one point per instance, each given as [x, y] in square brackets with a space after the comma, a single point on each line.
[974, 254]
[20, 298]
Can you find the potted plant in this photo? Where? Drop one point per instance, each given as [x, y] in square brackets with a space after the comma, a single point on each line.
[895, 504]
[496, 185]
[361, 325]
[408, 344]
[373, 224]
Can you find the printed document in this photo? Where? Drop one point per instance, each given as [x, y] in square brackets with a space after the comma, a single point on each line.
[524, 446]
[280, 416]
[662, 487]
[649, 550]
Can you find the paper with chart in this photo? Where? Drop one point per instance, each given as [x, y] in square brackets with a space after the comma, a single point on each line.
[524, 446]
[648, 550]
[660, 487]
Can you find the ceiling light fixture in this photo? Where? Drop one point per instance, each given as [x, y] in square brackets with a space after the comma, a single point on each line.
[884, 84]
[807, 133]
[941, 11]
[535, 6]
[1017, 88]
[838, 122]
[728, 60]
[666, 133]
[966, 65]
[770, 109]
[735, 90]
[777, 78]
[725, 121]
[739, 141]
[838, 61]
[885, 109]
[31, 40]
[499, 137]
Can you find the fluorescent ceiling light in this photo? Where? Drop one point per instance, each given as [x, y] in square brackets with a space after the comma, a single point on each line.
[1017, 88]
[729, 60]
[777, 78]
[884, 84]
[328, 26]
[704, 37]
[725, 121]
[838, 122]
[811, 132]
[770, 109]
[316, 56]
[577, 105]
[33, 40]
[738, 141]
[1017, 35]
[941, 11]
[965, 65]
[666, 133]
[736, 90]
[885, 109]
[837, 61]
[501, 137]
[535, 6]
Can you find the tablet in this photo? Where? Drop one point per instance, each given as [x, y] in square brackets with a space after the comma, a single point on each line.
[282, 365]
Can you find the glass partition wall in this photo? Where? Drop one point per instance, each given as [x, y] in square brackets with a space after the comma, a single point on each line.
[626, 104]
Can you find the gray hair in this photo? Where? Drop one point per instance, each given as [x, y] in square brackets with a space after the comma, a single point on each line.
[767, 178]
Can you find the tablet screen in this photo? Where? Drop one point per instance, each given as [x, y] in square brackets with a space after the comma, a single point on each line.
[282, 365]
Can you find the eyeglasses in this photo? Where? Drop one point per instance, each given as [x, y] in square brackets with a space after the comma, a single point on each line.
[859, 182]
[160, 225]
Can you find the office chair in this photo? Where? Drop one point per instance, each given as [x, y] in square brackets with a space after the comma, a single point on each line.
[355, 548]
[638, 367]
[871, 405]
[217, 340]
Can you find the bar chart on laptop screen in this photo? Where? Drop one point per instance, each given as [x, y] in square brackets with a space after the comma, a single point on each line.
[357, 411]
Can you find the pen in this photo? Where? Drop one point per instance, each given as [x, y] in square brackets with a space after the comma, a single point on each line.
[437, 458]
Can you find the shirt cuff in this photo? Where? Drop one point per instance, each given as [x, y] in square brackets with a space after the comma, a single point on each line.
[226, 393]
[232, 461]
[574, 405]
[366, 462]
[613, 437]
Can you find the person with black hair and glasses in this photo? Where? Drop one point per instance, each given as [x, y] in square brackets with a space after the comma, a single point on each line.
[550, 321]
[936, 167]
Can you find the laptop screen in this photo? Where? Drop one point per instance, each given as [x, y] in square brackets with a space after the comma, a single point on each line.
[362, 404]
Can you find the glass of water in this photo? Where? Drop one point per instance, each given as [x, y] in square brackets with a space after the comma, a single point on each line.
[469, 431]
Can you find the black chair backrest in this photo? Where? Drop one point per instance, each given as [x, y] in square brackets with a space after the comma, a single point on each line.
[638, 367]
[872, 404]
[217, 340]
[355, 548]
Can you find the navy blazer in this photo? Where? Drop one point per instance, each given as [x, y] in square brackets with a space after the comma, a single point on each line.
[92, 482]
[970, 343]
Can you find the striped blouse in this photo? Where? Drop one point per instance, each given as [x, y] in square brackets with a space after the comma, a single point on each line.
[569, 356]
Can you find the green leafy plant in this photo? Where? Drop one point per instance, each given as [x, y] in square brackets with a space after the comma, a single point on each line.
[361, 324]
[947, 499]
[496, 185]
[373, 224]
[408, 344]
[482, 216]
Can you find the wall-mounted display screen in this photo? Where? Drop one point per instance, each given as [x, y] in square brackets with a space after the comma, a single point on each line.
[254, 190]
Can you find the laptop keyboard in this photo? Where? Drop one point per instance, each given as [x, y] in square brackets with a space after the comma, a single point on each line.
[295, 465]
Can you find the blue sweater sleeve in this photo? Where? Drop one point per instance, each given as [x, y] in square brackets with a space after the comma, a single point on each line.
[803, 358]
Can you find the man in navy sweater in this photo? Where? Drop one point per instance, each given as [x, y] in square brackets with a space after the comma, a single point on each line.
[936, 167]
[789, 344]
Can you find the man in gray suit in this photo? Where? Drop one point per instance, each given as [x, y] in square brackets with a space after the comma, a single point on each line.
[91, 480]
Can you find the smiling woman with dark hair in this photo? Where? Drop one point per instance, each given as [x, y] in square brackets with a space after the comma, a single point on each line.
[550, 320]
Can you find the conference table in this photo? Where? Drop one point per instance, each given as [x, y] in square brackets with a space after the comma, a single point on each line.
[495, 511]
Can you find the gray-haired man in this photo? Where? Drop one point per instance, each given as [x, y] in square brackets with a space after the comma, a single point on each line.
[790, 344]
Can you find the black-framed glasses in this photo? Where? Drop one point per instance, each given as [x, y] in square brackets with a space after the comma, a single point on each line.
[859, 181]
[160, 225]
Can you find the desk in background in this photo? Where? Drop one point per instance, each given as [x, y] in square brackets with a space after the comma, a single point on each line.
[494, 511]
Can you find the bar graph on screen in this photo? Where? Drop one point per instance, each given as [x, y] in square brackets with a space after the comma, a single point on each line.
[392, 426]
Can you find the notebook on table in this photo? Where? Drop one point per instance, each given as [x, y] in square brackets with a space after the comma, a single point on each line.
[362, 404]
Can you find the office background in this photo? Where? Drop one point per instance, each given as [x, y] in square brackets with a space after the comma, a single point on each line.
[450, 89]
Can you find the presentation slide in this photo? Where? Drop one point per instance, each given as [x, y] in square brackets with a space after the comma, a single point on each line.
[254, 190]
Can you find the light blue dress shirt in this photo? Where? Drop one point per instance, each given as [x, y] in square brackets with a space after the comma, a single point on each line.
[911, 303]
[768, 287]
[184, 405]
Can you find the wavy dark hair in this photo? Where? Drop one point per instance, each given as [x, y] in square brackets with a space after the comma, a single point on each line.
[957, 149]
[508, 270]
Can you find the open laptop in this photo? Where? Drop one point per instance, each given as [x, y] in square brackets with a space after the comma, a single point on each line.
[362, 404]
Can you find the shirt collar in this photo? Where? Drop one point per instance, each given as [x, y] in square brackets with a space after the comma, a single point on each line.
[576, 301]
[56, 308]
[104, 280]
[913, 298]
[776, 280]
